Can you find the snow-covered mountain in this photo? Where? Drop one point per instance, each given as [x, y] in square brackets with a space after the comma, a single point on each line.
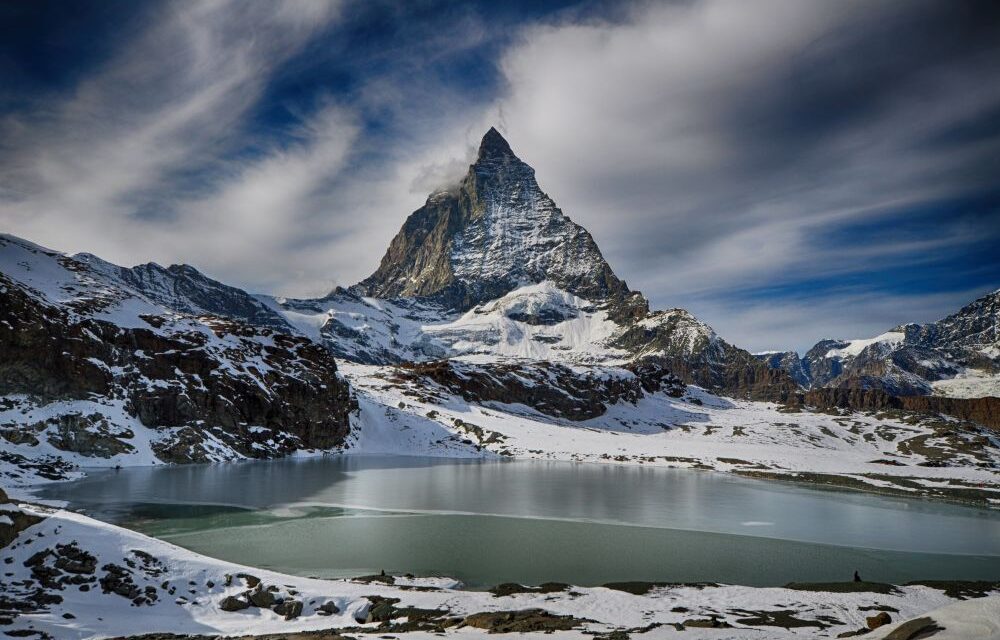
[104, 365]
[958, 356]
[494, 232]
[493, 268]
[184, 289]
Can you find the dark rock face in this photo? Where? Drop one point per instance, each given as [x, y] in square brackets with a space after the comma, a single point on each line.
[736, 374]
[19, 521]
[790, 362]
[818, 367]
[90, 435]
[984, 411]
[550, 388]
[488, 235]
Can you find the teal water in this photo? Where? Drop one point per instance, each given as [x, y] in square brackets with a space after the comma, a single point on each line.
[527, 521]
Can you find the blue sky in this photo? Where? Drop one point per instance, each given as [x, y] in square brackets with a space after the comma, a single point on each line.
[786, 170]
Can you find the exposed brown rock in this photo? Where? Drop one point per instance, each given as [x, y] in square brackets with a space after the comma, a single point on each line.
[19, 522]
[525, 621]
[550, 388]
[984, 411]
[880, 619]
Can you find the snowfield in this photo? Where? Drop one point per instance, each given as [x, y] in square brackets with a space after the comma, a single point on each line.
[698, 430]
[969, 383]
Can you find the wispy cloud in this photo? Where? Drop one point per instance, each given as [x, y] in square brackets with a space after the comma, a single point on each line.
[136, 162]
[714, 147]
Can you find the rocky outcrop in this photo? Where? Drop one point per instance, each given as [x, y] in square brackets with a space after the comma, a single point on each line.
[553, 389]
[13, 520]
[984, 411]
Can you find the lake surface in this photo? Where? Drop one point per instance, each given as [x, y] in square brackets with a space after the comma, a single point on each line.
[486, 522]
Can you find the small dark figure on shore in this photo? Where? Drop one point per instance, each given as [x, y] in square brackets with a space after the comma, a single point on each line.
[383, 573]
[857, 578]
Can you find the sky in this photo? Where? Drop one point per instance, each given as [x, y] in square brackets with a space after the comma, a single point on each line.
[787, 170]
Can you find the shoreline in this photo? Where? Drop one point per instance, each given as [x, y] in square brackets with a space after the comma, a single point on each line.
[187, 593]
[983, 499]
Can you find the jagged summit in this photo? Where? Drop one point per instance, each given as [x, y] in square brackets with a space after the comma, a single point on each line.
[494, 232]
[494, 145]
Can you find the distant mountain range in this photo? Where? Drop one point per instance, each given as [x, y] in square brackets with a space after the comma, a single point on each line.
[958, 356]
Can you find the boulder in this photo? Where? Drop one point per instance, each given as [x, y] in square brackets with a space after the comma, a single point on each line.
[328, 608]
[876, 621]
[289, 608]
[262, 598]
[251, 580]
[911, 629]
[232, 603]
[707, 623]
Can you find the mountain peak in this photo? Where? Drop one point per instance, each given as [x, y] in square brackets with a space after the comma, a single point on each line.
[494, 145]
[494, 233]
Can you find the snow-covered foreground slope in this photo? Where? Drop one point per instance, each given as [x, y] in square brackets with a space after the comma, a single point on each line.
[406, 414]
[969, 383]
[69, 576]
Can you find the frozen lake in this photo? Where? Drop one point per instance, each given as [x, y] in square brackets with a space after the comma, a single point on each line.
[487, 522]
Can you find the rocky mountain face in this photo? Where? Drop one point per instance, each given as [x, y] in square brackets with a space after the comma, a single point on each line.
[184, 289]
[94, 370]
[549, 388]
[492, 233]
[790, 362]
[970, 337]
[957, 356]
